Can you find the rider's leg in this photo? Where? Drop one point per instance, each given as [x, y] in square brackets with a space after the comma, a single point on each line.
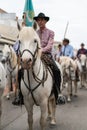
[19, 99]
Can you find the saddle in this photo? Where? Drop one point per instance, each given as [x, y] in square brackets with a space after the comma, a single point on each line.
[47, 59]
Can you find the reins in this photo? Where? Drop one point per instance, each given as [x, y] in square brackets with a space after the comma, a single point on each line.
[39, 81]
[35, 76]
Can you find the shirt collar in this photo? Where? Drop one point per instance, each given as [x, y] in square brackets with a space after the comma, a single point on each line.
[42, 30]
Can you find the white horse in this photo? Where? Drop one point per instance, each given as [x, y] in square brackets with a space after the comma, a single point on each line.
[2, 85]
[82, 65]
[69, 75]
[10, 59]
[37, 82]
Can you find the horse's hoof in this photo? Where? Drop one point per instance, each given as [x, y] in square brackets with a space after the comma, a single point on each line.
[53, 122]
[8, 97]
[85, 87]
[69, 100]
[75, 95]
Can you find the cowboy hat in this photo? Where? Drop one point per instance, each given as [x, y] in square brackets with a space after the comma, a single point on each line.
[41, 15]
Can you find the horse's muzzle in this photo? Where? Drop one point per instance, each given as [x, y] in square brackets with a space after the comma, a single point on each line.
[26, 64]
[3, 60]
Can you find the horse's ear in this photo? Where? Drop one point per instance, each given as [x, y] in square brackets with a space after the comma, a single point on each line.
[18, 26]
[35, 25]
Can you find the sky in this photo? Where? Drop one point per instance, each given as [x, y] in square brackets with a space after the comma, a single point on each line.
[61, 12]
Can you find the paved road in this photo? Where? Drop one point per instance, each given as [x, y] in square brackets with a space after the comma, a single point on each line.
[71, 116]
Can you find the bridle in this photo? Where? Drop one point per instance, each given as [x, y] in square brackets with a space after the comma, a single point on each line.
[34, 55]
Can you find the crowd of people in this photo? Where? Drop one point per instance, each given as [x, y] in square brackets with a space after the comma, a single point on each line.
[47, 40]
[65, 49]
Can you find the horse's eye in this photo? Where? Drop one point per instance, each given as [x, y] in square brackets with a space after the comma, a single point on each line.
[35, 41]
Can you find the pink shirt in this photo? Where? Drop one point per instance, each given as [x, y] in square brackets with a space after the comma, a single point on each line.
[47, 39]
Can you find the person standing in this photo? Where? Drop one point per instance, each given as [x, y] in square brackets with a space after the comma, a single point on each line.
[59, 52]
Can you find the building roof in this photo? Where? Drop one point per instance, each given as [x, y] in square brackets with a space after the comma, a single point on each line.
[8, 34]
[2, 11]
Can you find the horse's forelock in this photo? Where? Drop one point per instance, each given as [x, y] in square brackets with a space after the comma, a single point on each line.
[27, 33]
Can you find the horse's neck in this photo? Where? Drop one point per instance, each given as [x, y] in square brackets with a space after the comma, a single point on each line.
[38, 68]
[13, 60]
[78, 65]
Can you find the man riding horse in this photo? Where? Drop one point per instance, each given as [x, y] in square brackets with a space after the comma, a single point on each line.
[47, 39]
[82, 50]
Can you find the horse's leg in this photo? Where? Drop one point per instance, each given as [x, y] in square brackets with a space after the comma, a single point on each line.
[0, 112]
[85, 85]
[53, 108]
[8, 87]
[49, 109]
[1, 92]
[69, 91]
[44, 110]
[6, 90]
[29, 108]
[82, 80]
[14, 87]
[75, 88]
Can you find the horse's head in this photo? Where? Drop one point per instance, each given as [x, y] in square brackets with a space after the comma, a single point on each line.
[68, 67]
[83, 61]
[6, 53]
[29, 46]
[9, 55]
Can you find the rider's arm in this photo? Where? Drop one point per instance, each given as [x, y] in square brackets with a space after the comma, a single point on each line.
[71, 51]
[50, 42]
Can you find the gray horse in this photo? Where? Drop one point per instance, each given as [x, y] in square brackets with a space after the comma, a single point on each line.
[2, 85]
